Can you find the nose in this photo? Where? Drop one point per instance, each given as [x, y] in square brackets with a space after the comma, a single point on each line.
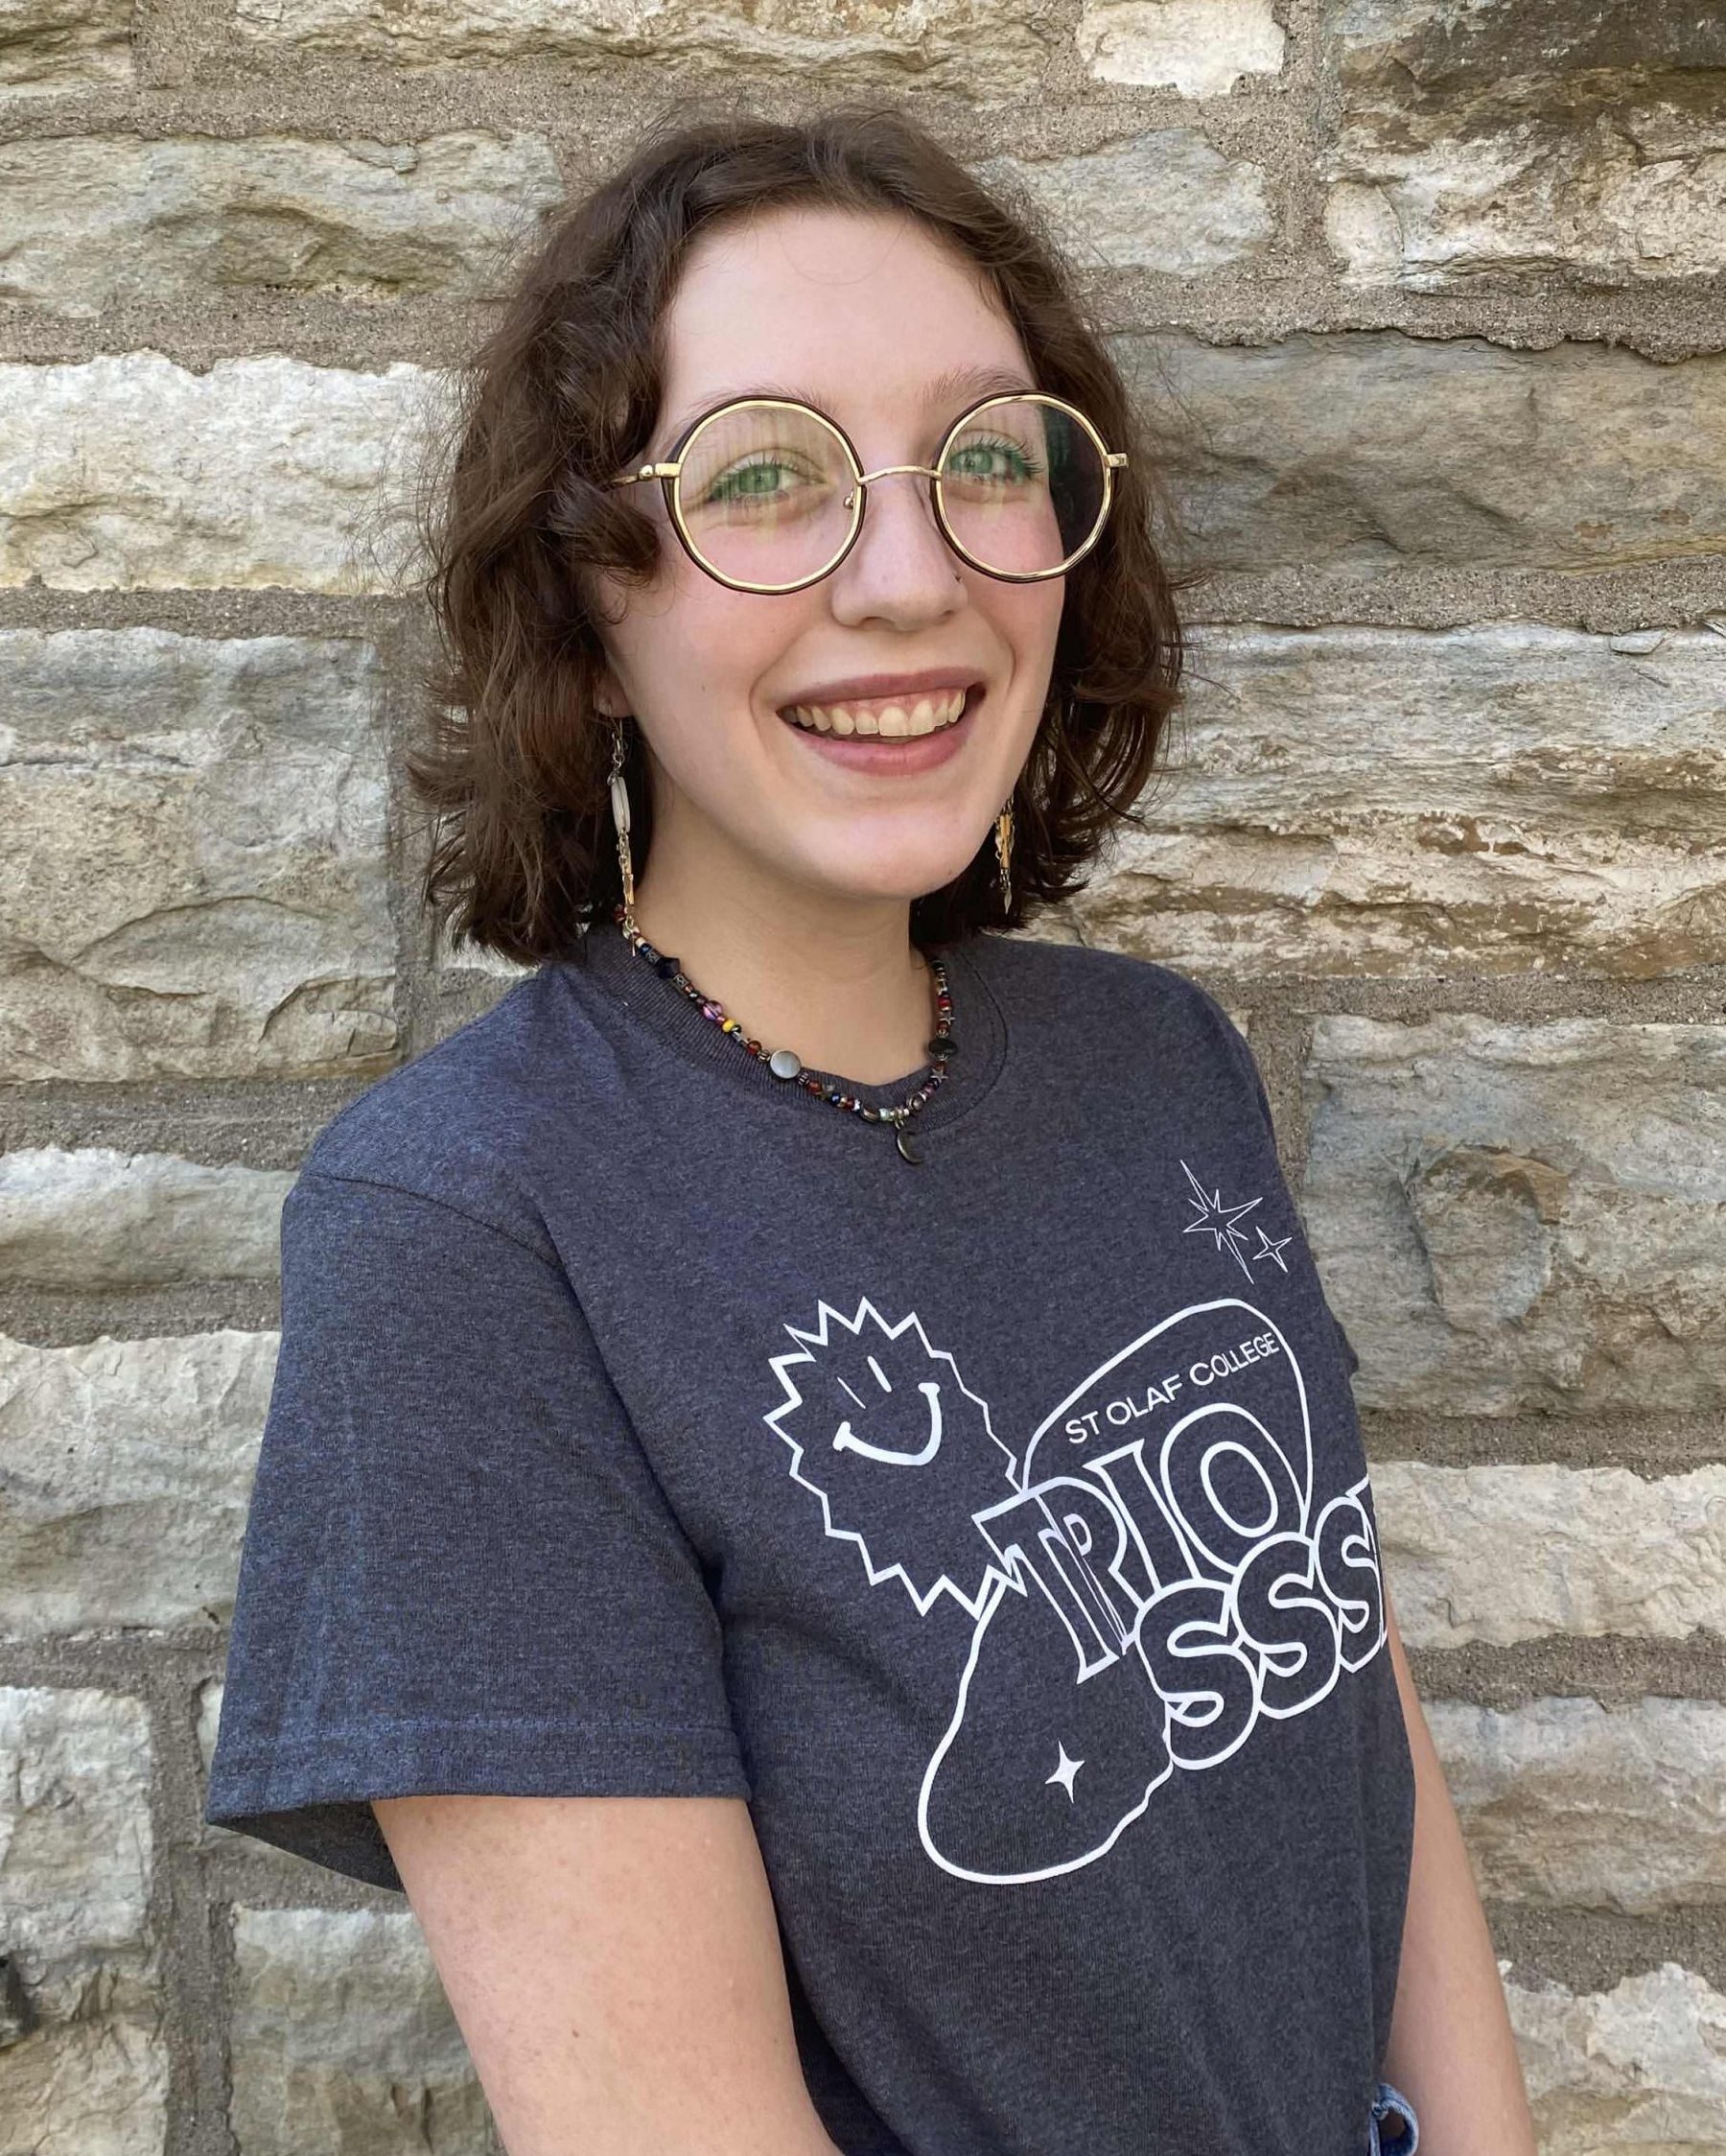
[902, 569]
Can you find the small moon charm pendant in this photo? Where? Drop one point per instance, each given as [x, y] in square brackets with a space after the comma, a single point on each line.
[907, 1146]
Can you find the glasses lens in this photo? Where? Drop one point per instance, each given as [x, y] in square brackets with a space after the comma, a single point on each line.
[764, 493]
[1023, 486]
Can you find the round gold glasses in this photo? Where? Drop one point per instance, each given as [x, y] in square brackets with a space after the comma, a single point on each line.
[767, 494]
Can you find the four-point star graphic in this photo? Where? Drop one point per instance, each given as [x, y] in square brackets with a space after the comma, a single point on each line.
[1217, 1219]
[1066, 1771]
[1272, 1246]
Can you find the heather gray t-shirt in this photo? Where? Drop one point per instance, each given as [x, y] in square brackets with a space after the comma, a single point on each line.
[998, 1526]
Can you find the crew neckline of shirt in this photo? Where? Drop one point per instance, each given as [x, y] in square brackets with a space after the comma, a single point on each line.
[660, 1008]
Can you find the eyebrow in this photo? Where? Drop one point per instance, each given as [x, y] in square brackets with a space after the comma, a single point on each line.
[955, 383]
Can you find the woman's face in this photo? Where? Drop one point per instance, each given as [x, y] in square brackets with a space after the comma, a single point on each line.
[868, 318]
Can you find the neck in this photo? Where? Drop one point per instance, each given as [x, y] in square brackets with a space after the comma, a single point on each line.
[835, 979]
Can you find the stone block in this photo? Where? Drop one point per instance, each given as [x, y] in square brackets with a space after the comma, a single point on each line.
[1360, 452]
[95, 1217]
[988, 50]
[126, 1468]
[1163, 200]
[1201, 48]
[96, 220]
[1569, 1804]
[1523, 1219]
[129, 473]
[1506, 798]
[1506, 1554]
[88, 2076]
[342, 2043]
[50, 47]
[1570, 141]
[1640, 2068]
[197, 883]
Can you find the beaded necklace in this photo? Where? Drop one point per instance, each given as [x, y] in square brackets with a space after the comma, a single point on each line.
[786, 1064]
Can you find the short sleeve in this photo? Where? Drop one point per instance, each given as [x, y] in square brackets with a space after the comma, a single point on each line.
[1245, 1064]
[459, 1573]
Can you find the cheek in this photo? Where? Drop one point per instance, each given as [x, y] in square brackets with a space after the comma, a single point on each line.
[688, 638]
[716, 647]
[1031, 628]
[1050, 603]
[697, 662]
[1027, 617]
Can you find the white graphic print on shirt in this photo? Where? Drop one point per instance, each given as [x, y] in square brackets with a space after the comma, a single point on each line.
[1155, 1575]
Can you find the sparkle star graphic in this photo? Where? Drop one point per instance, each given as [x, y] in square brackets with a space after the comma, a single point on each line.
[1273, 1247]
[1217, 1219]
[1065, 1773]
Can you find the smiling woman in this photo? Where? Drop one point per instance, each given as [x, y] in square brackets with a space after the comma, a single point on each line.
[801, 315]
[814, 1642]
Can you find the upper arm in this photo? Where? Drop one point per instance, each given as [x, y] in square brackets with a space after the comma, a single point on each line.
[614, 1965]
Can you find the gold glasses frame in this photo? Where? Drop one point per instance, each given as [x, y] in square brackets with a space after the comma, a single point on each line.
[667, 469]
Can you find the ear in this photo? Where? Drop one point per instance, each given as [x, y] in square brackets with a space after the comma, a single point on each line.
[609, 699]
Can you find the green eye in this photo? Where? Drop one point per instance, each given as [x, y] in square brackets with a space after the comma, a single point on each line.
[992, 460]
[749, 478]
[749, 482]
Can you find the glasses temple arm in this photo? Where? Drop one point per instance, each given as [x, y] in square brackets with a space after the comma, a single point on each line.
[646, 472]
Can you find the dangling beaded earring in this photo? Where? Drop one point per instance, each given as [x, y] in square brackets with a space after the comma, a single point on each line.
[619, 803]
[1003, 845]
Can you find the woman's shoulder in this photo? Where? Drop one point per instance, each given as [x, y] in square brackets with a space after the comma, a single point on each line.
[1123, 1009]
[1063, 979]
[460, 1121]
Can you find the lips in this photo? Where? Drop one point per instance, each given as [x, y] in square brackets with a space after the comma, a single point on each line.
[903, 756]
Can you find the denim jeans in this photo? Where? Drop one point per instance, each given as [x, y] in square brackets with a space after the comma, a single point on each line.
[1395, 2131]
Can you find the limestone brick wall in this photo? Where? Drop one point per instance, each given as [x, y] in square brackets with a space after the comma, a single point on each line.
[1426, 298]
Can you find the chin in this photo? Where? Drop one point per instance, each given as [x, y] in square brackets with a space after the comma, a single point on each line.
[906, 877]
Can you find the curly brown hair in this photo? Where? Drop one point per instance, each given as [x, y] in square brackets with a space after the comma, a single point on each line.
[515, 519]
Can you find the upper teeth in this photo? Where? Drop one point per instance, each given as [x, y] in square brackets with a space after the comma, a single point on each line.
[920, 717]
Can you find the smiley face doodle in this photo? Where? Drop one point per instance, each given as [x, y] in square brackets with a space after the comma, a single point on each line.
[882, 1405]
[1156, 1577]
